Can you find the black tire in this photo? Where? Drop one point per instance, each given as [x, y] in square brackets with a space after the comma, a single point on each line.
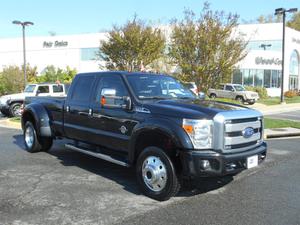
[31, 140]
[240, 99]
[4, 112]
[38, 143]
[171, 184]
[15, 109]
[251, 103]
[213, 96]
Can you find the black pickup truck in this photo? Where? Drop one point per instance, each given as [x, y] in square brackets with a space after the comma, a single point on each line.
[151, 122]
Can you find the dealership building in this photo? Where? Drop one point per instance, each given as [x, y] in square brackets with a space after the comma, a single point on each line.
[261, 67]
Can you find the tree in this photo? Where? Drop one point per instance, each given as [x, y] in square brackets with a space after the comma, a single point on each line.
[132, 46]
[12, 80]
[204, 47]
[294, 22]
[53, 74]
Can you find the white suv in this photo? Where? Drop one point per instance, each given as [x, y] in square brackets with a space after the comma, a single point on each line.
[10, 105]
[234, 91]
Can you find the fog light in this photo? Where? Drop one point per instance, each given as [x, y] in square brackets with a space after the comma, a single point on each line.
[205, 164]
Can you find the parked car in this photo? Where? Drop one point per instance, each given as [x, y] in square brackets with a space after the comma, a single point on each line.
[193, 87]
[10, 105]
[136, 120]
[234, 91]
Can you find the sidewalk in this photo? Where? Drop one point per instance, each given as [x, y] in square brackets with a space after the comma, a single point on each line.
[273, 109]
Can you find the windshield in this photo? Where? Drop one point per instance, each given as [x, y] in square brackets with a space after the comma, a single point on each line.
[158, 87]
[239, 88]
[30, 89]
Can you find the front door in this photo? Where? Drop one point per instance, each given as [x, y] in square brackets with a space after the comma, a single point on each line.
[112, 126]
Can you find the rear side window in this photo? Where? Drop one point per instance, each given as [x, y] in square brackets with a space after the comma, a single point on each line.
[58, 88]
[82, 89]
[43, 89]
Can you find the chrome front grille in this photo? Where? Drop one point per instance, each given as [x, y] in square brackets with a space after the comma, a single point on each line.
[234, 138]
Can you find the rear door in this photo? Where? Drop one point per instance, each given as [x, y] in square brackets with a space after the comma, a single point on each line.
[77, 108]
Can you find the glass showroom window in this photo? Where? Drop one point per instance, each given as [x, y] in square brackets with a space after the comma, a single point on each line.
[237, 77]
[276, 78]
[258, 78]
[294, 71]
[267, 78]
[248, 77]
[88, 54]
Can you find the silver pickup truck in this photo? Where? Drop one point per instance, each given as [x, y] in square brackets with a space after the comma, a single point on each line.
[234, 91]
[10, 105]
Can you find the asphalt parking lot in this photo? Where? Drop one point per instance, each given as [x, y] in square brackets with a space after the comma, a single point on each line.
[65, 187]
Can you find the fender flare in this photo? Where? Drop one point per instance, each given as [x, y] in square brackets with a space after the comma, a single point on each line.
[165, 126]
[41, 119]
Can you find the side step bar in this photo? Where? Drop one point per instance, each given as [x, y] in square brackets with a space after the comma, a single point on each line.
[97, 155]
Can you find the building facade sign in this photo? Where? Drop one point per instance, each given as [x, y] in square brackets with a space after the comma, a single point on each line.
[55, 44]
[266, 61]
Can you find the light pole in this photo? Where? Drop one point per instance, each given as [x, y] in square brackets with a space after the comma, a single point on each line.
[283, 11]
[23, 24]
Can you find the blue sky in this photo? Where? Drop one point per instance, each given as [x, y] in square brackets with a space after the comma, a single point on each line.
[88, 16]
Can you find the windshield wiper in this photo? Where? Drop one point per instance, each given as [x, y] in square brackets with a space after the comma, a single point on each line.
[154, 97]
[185, 97]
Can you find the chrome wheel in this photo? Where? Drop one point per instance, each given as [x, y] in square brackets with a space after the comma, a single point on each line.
[154, 173]
[29, 136]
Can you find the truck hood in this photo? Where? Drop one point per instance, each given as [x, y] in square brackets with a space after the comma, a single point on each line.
[193, 109]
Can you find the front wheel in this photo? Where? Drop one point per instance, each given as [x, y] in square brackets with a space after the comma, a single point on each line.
[240, 99]
[156, 174]
[213, 96]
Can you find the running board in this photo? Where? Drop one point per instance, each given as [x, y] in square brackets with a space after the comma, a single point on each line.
[97, 155]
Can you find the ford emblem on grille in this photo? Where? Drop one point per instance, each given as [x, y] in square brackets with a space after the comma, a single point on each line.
[248, 132]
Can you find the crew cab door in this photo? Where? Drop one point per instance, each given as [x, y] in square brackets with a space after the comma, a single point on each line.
[111, 124]
[77, 108]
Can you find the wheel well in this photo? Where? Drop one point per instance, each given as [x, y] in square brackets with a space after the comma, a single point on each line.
[157, 139]
[27, 116]
[11, 103]
[239, 96]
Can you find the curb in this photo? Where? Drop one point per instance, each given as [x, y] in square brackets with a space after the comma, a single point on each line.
[270, 136]
[9, 124]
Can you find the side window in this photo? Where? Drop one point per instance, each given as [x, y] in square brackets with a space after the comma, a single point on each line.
[57, 88]
[43, 89]
[82, 89]
[115, 83]
[229, 88]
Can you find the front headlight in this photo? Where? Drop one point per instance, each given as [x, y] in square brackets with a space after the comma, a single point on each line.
[200, 132]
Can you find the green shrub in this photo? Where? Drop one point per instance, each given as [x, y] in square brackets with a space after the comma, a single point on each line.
[262, 92]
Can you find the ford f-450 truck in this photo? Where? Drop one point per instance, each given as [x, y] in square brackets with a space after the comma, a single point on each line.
[135, 119]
